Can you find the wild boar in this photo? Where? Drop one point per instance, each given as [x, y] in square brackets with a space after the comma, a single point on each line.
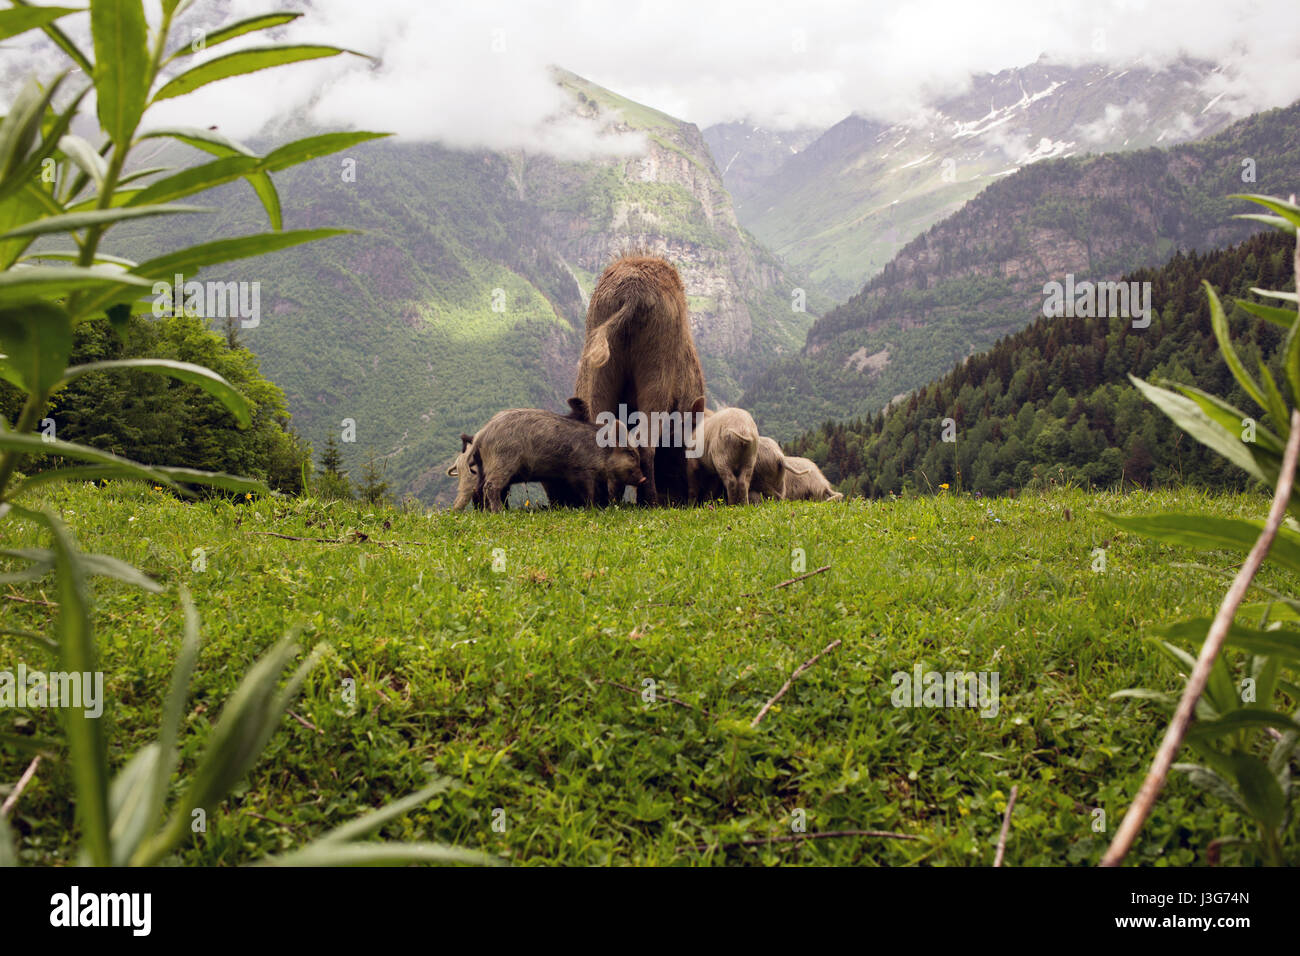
[639, 353]
[728, 441]
[804, 481]
[465, 472]
[528, 444]
[769, 472]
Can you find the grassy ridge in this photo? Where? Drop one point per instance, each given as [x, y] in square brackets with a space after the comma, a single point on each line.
[506, 680]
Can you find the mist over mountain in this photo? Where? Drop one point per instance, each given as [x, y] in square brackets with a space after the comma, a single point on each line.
[979, 274]
[839, 207]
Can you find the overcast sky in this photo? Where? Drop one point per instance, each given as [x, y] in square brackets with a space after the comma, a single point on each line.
[473, 73]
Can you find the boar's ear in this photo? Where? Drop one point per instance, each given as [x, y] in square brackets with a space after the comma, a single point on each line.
[578, 410]
[453, 471]
[697, 407]
[465, 441]
[837, 496]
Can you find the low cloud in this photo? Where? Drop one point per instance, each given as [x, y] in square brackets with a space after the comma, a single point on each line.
[477, 74]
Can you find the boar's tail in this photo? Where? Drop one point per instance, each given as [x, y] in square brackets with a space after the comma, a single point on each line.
[746, 439]
[796, 471]
[597, 351]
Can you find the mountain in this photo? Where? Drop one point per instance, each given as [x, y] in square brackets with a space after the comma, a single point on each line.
[1053, 402]
[839, 208]
[748, 155]
[980, 273]
[464, 291]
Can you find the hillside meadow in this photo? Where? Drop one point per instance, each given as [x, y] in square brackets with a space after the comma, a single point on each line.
[589, 681]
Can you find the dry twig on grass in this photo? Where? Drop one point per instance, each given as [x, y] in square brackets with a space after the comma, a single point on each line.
[790, 682]
[788, 582]
[12, 800]
[1006, 826]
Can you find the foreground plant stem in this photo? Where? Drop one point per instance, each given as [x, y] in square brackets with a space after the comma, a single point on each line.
[1196, 681]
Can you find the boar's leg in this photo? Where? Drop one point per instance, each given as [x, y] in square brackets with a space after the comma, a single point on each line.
[493, 486]
[647, 492]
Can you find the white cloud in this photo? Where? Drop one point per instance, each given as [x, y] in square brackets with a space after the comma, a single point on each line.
[475, 73]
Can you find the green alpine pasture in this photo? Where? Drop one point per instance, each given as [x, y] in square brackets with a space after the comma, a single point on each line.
[589, 679]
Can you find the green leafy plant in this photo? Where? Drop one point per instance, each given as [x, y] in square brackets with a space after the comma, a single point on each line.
[44, 294]
[1245, 730]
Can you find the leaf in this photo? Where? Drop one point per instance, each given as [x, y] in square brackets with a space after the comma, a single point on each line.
[1276, 404]
[1243, 718]
[21, 125]
[26, 174]
[246, 723]
[187, 261]
[35, 342]
[174, 707]
[1206, 532]
[1191, 417]
[8, 848]
[72, 473]
[240, 63]
[195, 179]
[204, 378]
[1231, 418]
[1277, 222]
[378, 854]
[1270, 313]
[265, 190]
[37, 445]
[28, 284]
[122, 66]
[313, 147]
[69, 222]
[1287, 210]
[18, 20]
[88, 750]
[213, 479]
[1219, 323]
[130, 804]
[105, 565]
[61, 40]
[217, 145]
[372, 821]
[1210, 781]
[1259, 789]
[86, 157]
[207, 140]
[239, 28]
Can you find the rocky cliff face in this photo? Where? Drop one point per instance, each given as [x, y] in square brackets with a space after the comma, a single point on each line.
[979, 274]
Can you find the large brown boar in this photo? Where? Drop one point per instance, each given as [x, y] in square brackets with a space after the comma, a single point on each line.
[769, 472]
[528, 444]
[639, 353]
[804, 481]
[728, 443]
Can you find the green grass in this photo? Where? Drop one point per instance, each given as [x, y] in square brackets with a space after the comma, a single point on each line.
[506, 680]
